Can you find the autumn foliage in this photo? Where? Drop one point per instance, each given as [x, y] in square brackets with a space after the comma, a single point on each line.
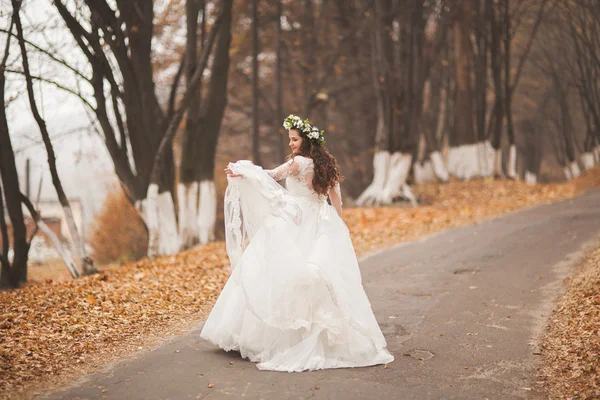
[118, 233]
[57, 330]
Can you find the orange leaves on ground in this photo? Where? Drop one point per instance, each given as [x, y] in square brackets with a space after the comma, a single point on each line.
[58, 329]
[457, 203]
[52, 329]
[571, 346]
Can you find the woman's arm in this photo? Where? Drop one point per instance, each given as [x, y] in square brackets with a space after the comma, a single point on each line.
[335, 195]
[281, 172]
[288, 168]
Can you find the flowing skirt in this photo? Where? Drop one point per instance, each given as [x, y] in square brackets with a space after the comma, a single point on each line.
[295, 300]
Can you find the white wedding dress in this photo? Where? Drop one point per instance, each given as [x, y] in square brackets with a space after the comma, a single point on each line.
[294, 300]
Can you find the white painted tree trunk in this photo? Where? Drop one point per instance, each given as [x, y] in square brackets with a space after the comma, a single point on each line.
[512, 162]
[463, 161]
[149, 212]
[395, 185]
[64, 254]
[207, 211]
[187, 196]
[424, 173]
[568, 174]
[372, 194]
[389, 180]
[158, 212]
[587, 159]
[471, 160]
[498, 163]
[575, 171]
[441, 119]
[77, 240]
[486, 158]
[439, 167]
[530, 178]
[169, 235]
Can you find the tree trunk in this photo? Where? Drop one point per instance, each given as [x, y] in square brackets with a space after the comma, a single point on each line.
[212, 116]
[15, 272]
[394, 148]
[380, 61]
[64, 254]
[187, 190]
[278, 83]
[87, 264]
[308, 50]
[512, 160]
[463, 156]
[533, 150]
[438, 164]
[255, 94]
[498, 113]
[125, 37]
[197, 199]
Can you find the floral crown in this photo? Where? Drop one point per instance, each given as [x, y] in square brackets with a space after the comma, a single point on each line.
[311, 131]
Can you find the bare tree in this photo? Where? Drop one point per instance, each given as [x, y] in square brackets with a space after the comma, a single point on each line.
[584, 34]
[86, 262]
[463, 155]
[13, 272]
[511, 81]
[255, 112]
[395, 137]
[117, 45]
[278, 80]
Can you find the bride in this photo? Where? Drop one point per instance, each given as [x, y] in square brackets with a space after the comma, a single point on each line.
[294, 300]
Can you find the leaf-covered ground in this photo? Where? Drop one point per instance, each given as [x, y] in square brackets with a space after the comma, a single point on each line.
[571, 346]
[54, 331]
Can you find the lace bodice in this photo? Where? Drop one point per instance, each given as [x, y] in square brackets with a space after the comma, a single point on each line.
[298, 173]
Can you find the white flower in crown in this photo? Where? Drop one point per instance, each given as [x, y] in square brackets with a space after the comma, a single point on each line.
[292, 121]
[313, 133]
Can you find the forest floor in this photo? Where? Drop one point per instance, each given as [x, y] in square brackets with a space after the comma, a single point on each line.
[52, 332]
[571, 344]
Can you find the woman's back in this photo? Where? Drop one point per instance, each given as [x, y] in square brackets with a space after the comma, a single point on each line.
[298, 173]
[300, 184]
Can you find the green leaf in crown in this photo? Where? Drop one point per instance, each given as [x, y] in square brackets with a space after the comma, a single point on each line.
[311, 131]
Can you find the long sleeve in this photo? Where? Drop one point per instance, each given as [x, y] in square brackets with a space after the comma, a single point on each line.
[286, 169]
[335, 196]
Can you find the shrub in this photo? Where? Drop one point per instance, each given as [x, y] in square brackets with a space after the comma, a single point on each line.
[118, 233]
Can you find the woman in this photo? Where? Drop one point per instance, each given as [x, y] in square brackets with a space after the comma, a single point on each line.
[294, 300]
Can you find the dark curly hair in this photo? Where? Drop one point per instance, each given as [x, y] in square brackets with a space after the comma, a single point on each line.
[326, 169]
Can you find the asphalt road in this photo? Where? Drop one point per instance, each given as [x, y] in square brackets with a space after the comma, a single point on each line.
[462, 311]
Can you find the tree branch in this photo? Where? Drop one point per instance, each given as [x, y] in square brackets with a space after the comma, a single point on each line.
[58, 85]
[52, 56]
[174, 87]
[189, 93]
[525, 54]
[329, 68]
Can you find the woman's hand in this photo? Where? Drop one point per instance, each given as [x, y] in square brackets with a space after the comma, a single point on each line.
[230, 173]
